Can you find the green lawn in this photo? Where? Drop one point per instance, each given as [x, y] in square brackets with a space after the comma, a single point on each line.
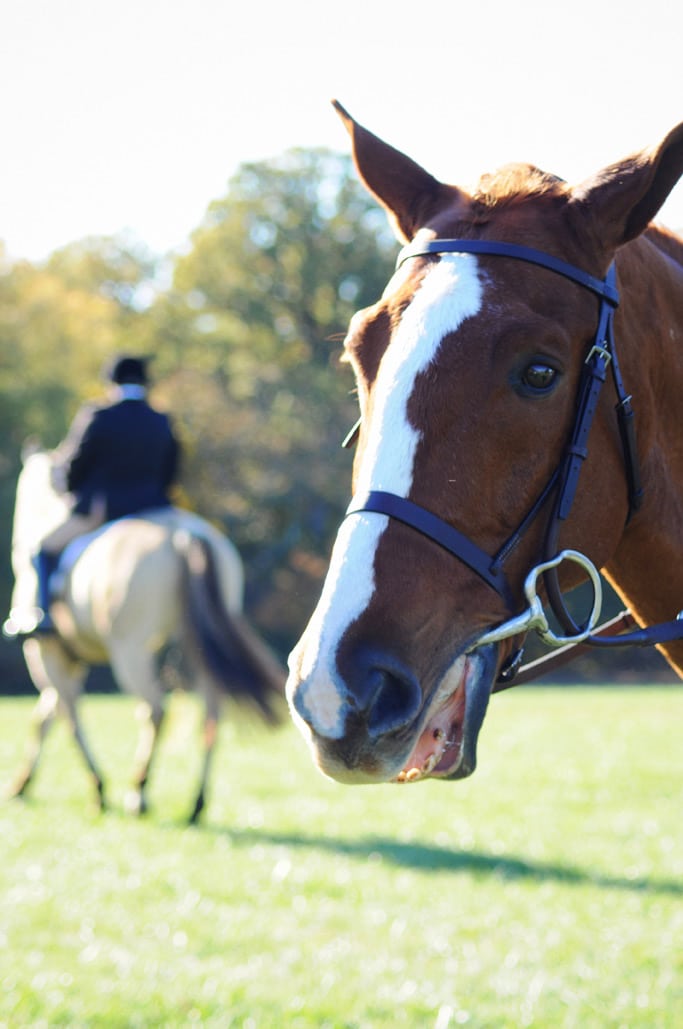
[546, 891]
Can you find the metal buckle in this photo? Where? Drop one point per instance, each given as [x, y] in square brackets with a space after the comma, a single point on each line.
[602, 350]
[534, 618]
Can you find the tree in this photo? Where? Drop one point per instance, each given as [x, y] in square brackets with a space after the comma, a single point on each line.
[249, 335]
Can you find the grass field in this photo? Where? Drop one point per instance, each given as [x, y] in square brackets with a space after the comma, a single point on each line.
[546, 891]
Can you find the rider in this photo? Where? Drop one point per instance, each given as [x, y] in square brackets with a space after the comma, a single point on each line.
[118, 458]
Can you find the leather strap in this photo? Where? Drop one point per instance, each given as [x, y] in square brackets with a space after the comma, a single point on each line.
[421, 248]
[436, 529]
[620, 631]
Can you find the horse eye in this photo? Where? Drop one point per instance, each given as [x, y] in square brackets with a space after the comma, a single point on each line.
[538, 376]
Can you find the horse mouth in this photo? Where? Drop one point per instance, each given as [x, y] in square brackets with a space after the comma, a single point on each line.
[446, 746]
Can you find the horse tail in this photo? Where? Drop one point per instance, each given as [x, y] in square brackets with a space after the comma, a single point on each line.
[238, 661]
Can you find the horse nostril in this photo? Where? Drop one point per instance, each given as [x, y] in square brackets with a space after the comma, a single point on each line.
[382, 691]
[395, 700]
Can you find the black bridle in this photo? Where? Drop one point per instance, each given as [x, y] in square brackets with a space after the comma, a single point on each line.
[600, 358]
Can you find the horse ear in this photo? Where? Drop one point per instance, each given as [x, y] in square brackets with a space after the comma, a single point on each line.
[29, 447]
[620, 201]
[407, 192]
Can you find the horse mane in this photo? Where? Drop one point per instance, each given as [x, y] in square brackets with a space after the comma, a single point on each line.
[666, 241]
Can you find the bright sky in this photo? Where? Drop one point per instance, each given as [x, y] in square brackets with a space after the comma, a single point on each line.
[132, 114]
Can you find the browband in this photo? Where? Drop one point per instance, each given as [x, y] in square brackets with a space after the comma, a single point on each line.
[422, 248]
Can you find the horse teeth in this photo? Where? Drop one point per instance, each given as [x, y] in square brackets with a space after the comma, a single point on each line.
[429, 764]
[415, 773]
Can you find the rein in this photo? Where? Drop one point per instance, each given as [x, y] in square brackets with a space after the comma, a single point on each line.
[600, 359]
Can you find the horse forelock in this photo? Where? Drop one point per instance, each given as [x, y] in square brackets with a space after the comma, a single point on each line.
[514, 182]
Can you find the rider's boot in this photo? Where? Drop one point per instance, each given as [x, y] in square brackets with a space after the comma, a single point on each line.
[45, 564]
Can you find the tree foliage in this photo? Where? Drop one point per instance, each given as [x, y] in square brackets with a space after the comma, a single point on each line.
[249, 340]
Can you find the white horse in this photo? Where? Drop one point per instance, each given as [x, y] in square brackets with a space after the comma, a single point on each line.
[129, 591]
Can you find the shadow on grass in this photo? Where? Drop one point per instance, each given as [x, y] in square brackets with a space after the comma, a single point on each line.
[432, 858]
[426, 857]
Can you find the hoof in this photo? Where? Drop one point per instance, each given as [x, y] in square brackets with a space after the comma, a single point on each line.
[197, 810]
[135, 804]
[17, 789]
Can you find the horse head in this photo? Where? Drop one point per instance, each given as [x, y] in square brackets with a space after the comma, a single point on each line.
[38, 506]
[468, 372]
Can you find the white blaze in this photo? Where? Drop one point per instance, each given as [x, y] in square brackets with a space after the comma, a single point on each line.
[449, 293]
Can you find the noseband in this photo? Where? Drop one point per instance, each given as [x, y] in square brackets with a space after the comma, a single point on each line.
[600, 357]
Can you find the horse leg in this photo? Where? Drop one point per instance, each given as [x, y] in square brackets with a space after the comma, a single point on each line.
[136, 672]
[70, 710]
[42, 718]
[210, 735]
[150, 717]
[60, 681]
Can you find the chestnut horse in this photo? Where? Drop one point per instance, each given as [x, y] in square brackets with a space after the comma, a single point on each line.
[132, 590]
[491, 462]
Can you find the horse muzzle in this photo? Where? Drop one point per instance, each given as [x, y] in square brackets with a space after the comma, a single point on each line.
[388, 731]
